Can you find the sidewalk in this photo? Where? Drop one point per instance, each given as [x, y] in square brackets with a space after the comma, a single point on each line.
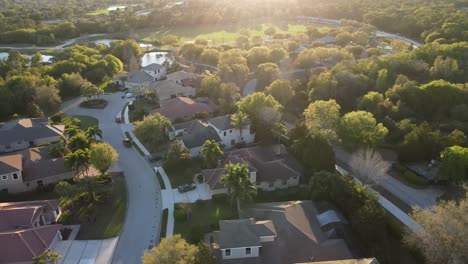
[424, 198]
[167, 200]
[390, 207]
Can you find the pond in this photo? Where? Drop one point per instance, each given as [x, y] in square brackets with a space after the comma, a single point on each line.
[45, 58]
[156, 57]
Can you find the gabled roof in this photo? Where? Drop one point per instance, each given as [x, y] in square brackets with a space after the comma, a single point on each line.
[184, 107]
[25, 123]
[181, 75]
[137, 76]
[24, 245]
[28, 131]
[153, 67]
[198, 133]
[221, 122]
[22, 215]
[11, 163]
[268, 165]
[243, 233]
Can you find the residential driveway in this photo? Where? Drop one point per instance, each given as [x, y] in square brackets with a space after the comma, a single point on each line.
[86, 251]
[143, 219]
[423, 198]
[249, 87]
[200, 193]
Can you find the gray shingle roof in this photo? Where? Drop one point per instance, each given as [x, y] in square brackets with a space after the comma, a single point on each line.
[20, 133]
[11, 163]
[199, 133]
[221, 122]
[243, 233]
[137, 77]
[153, 67]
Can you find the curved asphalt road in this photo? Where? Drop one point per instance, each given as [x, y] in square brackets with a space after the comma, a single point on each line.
[144, 207]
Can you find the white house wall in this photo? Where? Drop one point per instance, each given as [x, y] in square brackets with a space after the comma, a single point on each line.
[241, 253]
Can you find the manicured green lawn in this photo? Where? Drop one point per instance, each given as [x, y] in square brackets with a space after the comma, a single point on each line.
[110, 215]
[29, 196]
[204, 218]
[98, 12]
[94, 103]
[86, 121]
[141, 108]
[222, 33]
[184, 174]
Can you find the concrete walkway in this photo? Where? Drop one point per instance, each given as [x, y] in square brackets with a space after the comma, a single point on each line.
[167, 200]
[86, 251]
[390, 207]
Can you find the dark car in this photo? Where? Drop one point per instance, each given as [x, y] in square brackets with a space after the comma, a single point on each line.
[186, 187]
[154, 158]
[127, 142]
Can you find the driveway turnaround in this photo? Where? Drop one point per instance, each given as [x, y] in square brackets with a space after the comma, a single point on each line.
[144, 208]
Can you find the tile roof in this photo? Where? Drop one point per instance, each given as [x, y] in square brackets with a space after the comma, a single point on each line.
[21, 215]
[11, 163]
[243, 233]
[268, 165]
[184, 107]
[167, 89]
[24, 245]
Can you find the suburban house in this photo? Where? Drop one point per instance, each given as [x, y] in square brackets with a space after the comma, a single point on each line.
[143, 77]
[270, 168]
[27, 229]
[193, 134]
[28, 132]
[282, 233]
[167, 89]
[242, 238]
[184, 108]
[184, 78]
[28, 169]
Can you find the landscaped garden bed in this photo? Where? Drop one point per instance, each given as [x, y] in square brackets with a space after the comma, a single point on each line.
[184, 174]
[94, 103]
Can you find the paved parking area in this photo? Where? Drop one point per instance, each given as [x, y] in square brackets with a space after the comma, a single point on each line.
[86, 251]
[200, 193]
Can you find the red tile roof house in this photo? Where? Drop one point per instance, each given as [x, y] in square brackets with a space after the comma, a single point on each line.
[28, 169]
[183, 108]
[27, 229]
[268, 170]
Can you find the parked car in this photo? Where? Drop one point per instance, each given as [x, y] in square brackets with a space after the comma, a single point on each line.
[127, 142]
[186, 187]
[154, 158]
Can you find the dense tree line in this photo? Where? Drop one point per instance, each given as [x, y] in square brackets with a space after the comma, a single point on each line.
[31, 88]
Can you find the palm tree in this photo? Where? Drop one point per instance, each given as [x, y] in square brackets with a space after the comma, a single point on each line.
[93, 133]
[211, 152]
[239, 120]
[78, 161]
[278, 131]
[238, 183]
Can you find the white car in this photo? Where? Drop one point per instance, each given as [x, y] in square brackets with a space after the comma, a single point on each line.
[128, 95]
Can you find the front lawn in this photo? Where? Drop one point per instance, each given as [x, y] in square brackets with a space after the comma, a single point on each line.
[141, 108]
[85, 121]
[184, 174]
[204, 217]
[110, 214]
